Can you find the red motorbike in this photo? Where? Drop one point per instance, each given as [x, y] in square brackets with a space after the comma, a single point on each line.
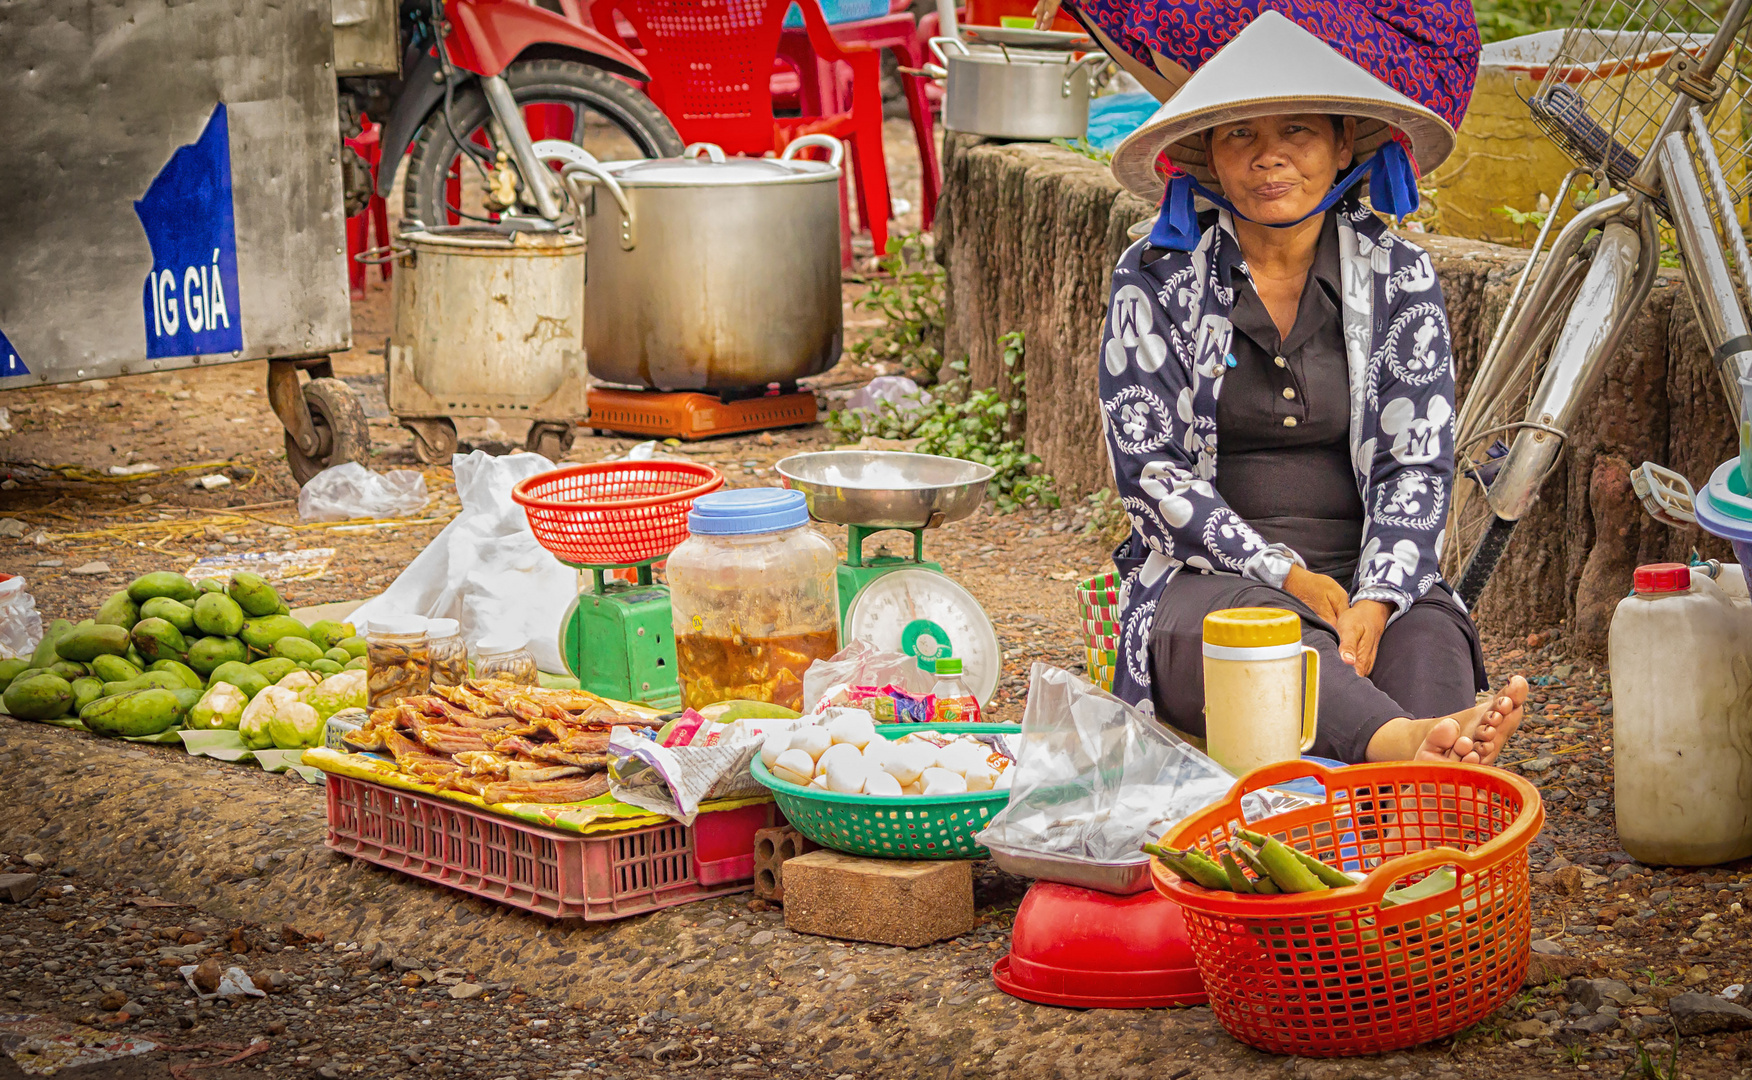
[481, 82]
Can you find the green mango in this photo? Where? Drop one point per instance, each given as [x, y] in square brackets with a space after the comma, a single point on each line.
[210, 585]
[300, 649]
[274, 668]
[159, 640]
[242, 676]
[282, 608]
[328, 633]
[357, 663]
[253, 594]
[69, 670]
[218, 615]
[162, 583]
[209, 652]
[355, 646]
[162, 680]
[88, 641]
[9, 670]
[114, 669]
[260, 634]
[119, 610]
[41, 697]
[338, 655]
[182, 671]
[186, 699]
[45, 651]
[137, 712]
[174, 612]
[86, 691]
[326, 666]
[133, 656]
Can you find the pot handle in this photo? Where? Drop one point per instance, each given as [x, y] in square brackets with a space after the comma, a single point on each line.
[836, 150]
[1091, 62]
[579, 174]
[936, 44]
[712, 151]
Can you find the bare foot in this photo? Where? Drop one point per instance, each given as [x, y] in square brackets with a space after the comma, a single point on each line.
[1476, 736]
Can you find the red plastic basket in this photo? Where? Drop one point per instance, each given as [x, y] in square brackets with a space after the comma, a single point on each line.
[614, 513]
[546, 871]
[1334, 973]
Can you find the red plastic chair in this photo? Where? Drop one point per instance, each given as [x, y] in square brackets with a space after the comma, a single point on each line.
[711, 64]
[375, 216]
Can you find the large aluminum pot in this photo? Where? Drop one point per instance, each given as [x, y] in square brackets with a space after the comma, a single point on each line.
[1007, 93]
[713, 273]
[488, 321]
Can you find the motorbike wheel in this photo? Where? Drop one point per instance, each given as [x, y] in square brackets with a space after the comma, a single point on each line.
[342, 434]
[605, 116]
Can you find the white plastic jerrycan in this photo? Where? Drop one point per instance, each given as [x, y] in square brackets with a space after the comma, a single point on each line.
[1681, 655]
[1262, 688]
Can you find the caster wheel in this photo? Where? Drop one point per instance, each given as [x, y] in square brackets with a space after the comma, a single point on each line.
[434, 438]
[341, 432]
[549, 439]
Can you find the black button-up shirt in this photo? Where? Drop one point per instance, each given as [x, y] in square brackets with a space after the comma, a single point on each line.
[1283, 422]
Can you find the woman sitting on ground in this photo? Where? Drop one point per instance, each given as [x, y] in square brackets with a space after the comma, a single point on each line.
[1290, 327]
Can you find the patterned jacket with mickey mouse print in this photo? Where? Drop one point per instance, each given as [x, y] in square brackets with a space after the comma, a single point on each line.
[1163, 356]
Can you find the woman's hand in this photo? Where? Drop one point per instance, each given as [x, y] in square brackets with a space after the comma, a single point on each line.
[1326, 597]
[1359, 633]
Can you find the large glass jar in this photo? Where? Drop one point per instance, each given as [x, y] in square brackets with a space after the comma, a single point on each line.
[753, 596]
[398, 661]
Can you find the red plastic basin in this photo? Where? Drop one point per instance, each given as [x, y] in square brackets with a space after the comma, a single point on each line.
[1092, 950]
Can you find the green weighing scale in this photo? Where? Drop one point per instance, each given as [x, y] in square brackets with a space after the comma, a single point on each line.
[901, 604]
[617, 640]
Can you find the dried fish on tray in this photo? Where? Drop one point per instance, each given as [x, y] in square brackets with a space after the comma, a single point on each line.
[501, 741]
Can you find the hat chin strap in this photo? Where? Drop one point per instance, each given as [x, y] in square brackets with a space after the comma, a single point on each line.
[1392, 190]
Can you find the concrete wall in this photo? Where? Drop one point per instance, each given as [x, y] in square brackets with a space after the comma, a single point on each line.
[1029, 234]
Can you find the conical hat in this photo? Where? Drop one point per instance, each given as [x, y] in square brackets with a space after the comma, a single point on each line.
[1274, 66]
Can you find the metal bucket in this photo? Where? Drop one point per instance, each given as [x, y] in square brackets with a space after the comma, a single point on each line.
[488, 322]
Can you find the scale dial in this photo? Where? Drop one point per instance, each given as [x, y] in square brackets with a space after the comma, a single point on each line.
[921, 613]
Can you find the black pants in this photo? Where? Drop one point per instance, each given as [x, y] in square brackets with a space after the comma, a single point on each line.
[1429, 662]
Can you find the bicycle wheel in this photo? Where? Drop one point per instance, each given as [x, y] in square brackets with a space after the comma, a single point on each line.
[561, 99]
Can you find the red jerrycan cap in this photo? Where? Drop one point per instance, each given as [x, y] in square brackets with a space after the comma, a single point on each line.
[1667, 577]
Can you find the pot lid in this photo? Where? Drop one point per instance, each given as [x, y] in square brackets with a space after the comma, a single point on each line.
[704, 171]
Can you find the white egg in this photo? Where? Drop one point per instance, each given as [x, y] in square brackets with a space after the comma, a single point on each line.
[960, 756]
[833, 755]
[819, 782]
[1003, 781]
[981, 777]
[853, 726]
[880, 783]
[776, 743]
[794, 766]
[906, 761]
[943, 782]
[847, 775]
[812, 741]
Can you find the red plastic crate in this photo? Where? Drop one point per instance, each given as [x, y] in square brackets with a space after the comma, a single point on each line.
[546, 871]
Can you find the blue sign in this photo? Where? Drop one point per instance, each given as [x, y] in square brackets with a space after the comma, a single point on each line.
[191, 297]
[10, 364]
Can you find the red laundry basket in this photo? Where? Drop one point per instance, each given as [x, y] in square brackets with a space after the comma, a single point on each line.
[614, 513]
[1334, 973]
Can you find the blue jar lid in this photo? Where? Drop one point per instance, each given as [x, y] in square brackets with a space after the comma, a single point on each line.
[746, 511]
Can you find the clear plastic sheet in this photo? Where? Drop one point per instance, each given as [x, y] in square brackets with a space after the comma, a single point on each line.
[1096, 778]
[21, 627]
[352, 491]
[862, 664]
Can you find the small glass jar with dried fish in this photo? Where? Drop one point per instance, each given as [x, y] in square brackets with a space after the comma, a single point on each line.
[449, 652]
[398, 659]
[506, 656]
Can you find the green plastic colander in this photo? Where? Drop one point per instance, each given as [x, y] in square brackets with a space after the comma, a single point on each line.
[892, 827]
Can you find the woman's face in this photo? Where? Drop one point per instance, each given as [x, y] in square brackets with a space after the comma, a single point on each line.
[1276, 169]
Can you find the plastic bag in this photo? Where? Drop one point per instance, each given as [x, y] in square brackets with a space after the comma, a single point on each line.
[21, 627]
[862, 664]
[1095, 777]
[905, 395]
[353, 491]
[486, 570]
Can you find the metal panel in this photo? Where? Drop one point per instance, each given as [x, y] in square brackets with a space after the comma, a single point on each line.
[367, 41]
[95, 101]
